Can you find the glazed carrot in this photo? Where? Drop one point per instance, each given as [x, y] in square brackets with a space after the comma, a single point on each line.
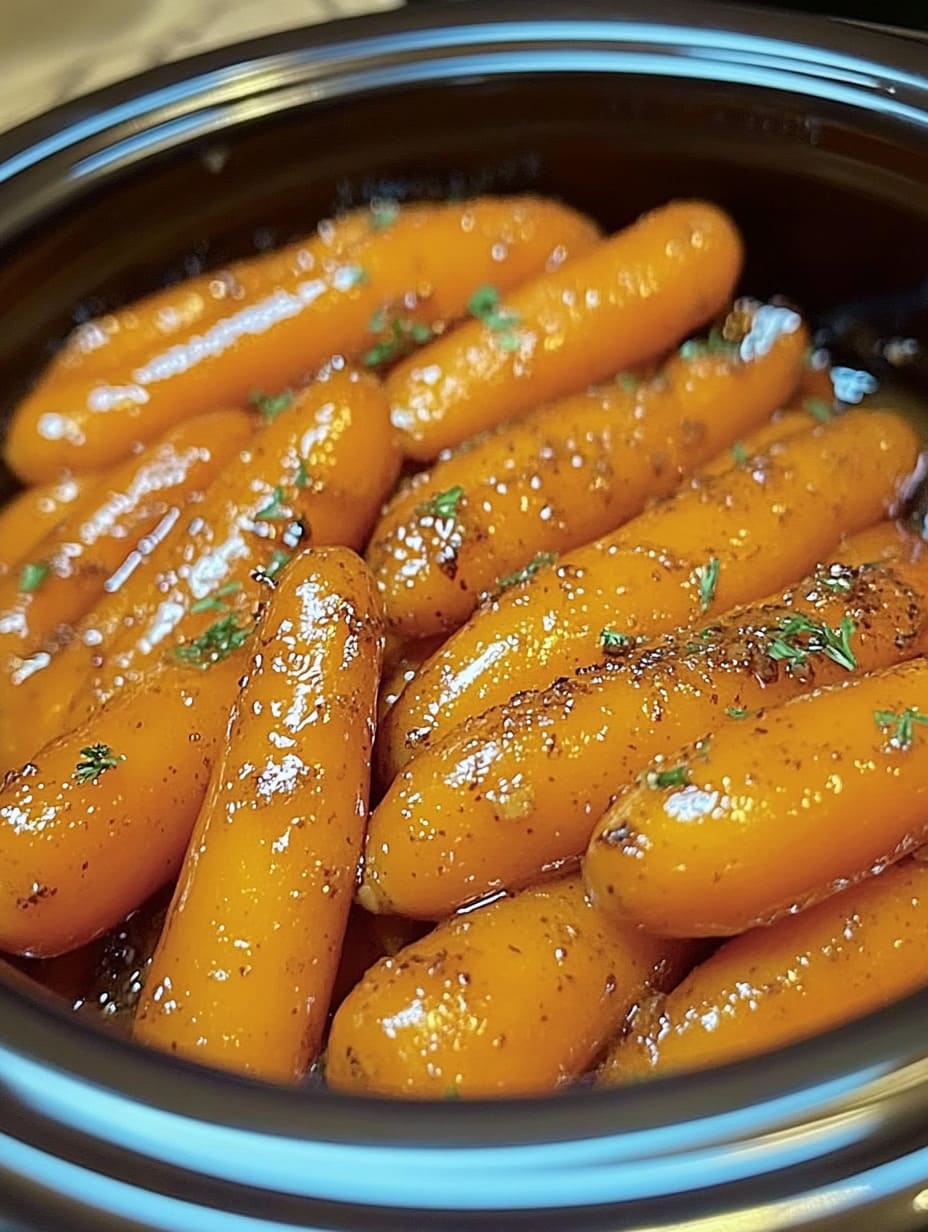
[518, 789]
[119, 339]
[368, 938]
[775, 812]
[318, 472]
[419, 270]
[574, 470]
[624, 302]
[860, 950]
[516, 998]
[34, 513]
[243, 973]
[100, 818]
[720, 540]
[73, 566]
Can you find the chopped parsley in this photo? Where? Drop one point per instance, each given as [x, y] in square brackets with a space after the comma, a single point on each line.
[614, 642]
[349, 276]
[32, 575]
[527, 572]
[627, 382]
[739, 453]
[835, 644]
[271, 405]
[715, 343]
[214, 644]
[737, 712]
[403, 335]
[384, 213]
[213, 602]
[484, 304]
[673, 776]
[302, 475]
[444, 504]
[96, 760]
[839, 579]
[708, 578]
[274, 510]
[819, 409]
[279, 558]
[902, 725]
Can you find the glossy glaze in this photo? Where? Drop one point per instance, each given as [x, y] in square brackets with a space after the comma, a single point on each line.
[514, 999]
[243, 973]
[862, 949]
[625, 301]
[289, 317]
[36, 512]
[765, 526]
[520, 788]
[775, 812]
[567, 473]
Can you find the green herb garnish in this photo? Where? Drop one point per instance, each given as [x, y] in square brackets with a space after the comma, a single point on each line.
[838, 579]
[348, 276]
[715, 343]
[484, 304]
[708, 578]
[214, 644]
[739, 453]
[527, 571]
[32, 575]
[213, 602]
[302, 475]
[403, 337]
[384, 213]
[274, 511]
[673, 776]
[901, 725]
[279, 558]
[614, 642]
[271, 405]
[452, 1092]
[445, 504]
[627, 382]
[835, 644]
[737, 712]
[819, 409]
[96, 760]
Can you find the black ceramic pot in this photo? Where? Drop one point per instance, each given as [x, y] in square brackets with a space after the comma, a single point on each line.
[815, 136]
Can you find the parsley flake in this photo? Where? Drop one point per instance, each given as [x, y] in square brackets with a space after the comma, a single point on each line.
[627, 382]
[673, 776]
[737, 712]
[739, 453]
[484, 304]
[614, 642]
[96, 760]
[527, 572]
[444, 504]
[403, 336]
[213, 602]
[708, 578]
[349, 276]
[839, 579]
[835, 644]
[274, 510]
[32, 575]
[819, 409]
[715, 343]
[302, 475]
[271, 405]
[384, 213]
[214, 644]
[902, 725]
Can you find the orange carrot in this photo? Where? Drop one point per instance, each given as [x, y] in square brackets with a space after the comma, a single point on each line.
[775, 812]
[34, 513]
[624, 302]
[243, 973]
[574, 470]
[720, 540]
[291, 317]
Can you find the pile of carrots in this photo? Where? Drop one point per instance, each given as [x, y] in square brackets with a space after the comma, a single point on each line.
[497, 638]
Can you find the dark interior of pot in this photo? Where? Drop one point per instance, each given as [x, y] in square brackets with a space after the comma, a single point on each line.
[831, 198]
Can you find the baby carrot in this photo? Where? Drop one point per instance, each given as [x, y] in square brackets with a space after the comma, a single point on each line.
[776, 812]
[243, 973]
[720, 540]
[73, 566]
[121, 338]
[860, 950]
[420, 270]
[574, 470]
[515, 998]
[317, 472]
[519, 789]
[34, 513]
[624, 302]
[100, 818]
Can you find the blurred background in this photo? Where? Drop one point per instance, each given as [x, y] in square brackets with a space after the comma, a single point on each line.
[52, 50]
